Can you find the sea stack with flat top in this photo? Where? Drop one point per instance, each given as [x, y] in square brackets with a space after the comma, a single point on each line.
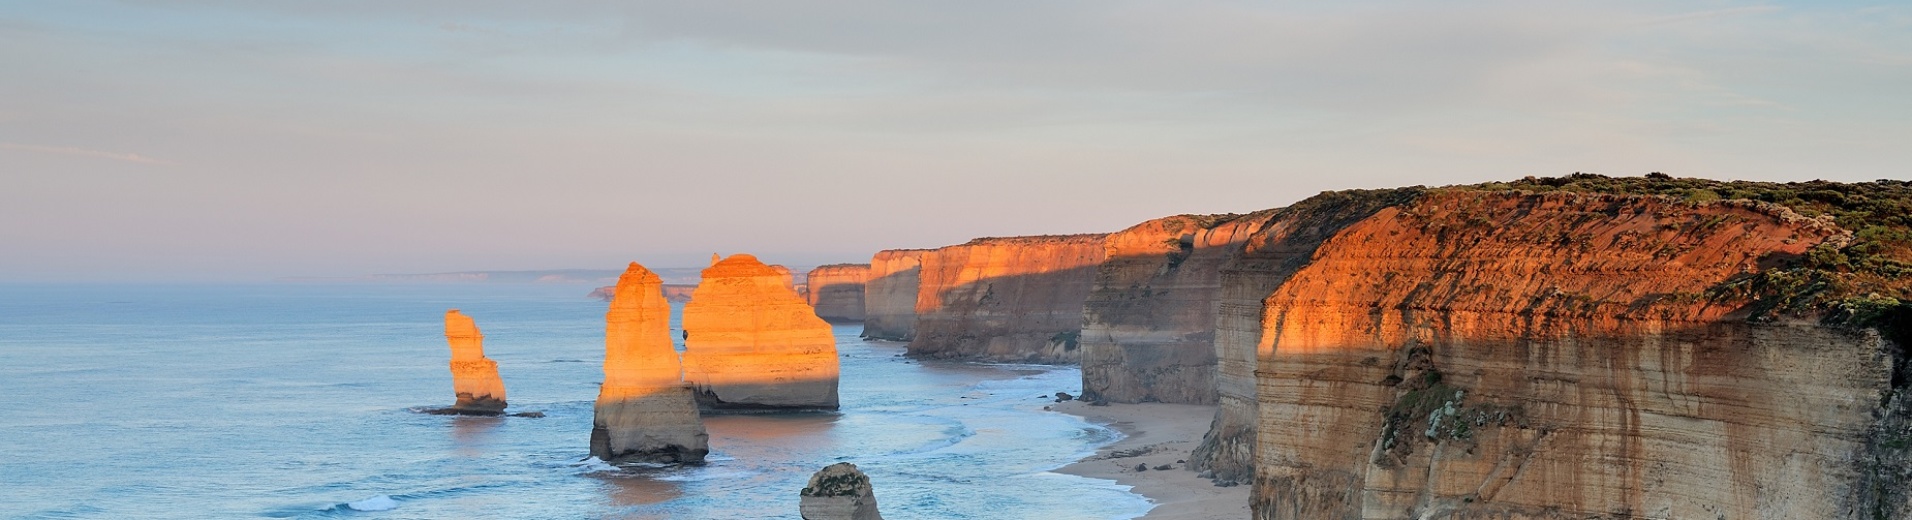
[645, 412]
[838, 492]
[754, 345]
[473, 377]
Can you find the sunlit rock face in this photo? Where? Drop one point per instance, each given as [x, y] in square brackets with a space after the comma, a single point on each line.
[1476, 355]
[1148, 331]
[474, 378]
[645, 412]
[836, 291]
[889, 294]
[838, 492]
[753, 344]
[1016, 299]
[1270, 255]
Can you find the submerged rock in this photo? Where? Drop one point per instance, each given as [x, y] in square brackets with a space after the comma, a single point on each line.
[753, 344]
[839, 492]
[473, 377]
[644, 412]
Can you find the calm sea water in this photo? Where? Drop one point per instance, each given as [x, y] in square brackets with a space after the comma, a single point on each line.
[293, 401]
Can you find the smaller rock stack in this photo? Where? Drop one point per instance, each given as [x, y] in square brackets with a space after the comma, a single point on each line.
[473, 377]
[839, 492]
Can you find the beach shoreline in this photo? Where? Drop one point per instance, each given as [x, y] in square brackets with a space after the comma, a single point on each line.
[1157, 435]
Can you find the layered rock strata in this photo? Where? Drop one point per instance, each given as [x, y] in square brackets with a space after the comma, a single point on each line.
[645, 412]
[1519, 356]
[1016, 299]
[753, 344]
[474, 378]
[838, 492]
[836, 291]
[889, 294]
[1148, 331]
[1270, 255]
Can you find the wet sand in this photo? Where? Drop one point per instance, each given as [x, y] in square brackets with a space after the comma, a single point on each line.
[1158, 434]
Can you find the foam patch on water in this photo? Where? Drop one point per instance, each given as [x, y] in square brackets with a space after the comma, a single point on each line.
[708, 474]
[593, 465]
[377, 503]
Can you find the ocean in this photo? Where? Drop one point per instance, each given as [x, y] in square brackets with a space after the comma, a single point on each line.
[299, 401]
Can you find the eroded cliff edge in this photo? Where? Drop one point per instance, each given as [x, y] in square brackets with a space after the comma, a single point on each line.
[1470, 353]
[889, 294]
[1014, 299]
[836, 291]
[1148, 328]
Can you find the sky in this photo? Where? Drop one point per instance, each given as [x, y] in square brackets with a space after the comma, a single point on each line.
[251, 139]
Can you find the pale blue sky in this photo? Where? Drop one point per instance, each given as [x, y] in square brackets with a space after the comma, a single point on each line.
[248, 139]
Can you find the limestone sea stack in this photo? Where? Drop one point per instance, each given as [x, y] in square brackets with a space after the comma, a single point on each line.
[836, 291]
[839, 492]
[645, 412]
[753, 344]
[473, 377]
[889, 294]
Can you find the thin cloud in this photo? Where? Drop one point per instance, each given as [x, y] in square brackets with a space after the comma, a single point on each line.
[83, 152]
[1716, 13]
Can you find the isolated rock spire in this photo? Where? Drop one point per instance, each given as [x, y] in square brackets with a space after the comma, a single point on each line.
[473, 377]
[644, 412]
[838, 492]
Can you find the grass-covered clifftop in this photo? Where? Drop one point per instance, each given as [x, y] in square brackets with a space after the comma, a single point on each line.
[1864, 281]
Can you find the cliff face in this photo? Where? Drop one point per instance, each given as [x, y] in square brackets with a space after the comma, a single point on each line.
[838, 492]
[1013, 299]
[753, 344]
[1148, 329]
[474, 378]
[889, 294]
[644, 411]
[836, 291]
[1270, 255]
[1516, 356]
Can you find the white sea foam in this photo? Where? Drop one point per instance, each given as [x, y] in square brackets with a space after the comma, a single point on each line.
[377, 503]
[593, 465]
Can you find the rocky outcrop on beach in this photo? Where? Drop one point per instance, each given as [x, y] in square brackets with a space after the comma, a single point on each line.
[836, 291]
[838, 492]
[1467, 353]
[1014, 299]
[889, 294]
[474, 378]
[753, 345]
[1148, 331]
[645, 412]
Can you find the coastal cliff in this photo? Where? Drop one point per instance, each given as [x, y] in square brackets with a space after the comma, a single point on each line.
[1015, 299]
[889, 294]
[752, 344]
[644, 410]
[1473, 353]
[474, 377]
[1148, 328]
[836, 291]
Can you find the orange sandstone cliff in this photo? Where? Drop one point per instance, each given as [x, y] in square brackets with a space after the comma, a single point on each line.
[753, 344]
[1269, 256]
[889, 294]
[836, 291]
[1015, 299]
[645, 412]
[1149, 323]
[474, 378]
[1510, 355]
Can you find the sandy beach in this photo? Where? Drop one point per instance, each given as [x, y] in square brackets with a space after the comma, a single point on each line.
[1158, 435]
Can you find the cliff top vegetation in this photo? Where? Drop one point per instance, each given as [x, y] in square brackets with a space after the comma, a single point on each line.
[1867, 281]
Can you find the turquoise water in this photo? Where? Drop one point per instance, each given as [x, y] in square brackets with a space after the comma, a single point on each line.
[293, 401]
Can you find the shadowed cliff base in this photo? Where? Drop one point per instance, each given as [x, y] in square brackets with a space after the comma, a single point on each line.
[890, 292]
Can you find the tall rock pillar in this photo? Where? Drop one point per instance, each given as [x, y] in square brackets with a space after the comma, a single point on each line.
[473, 377]
[645, 412]
[753, 344]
